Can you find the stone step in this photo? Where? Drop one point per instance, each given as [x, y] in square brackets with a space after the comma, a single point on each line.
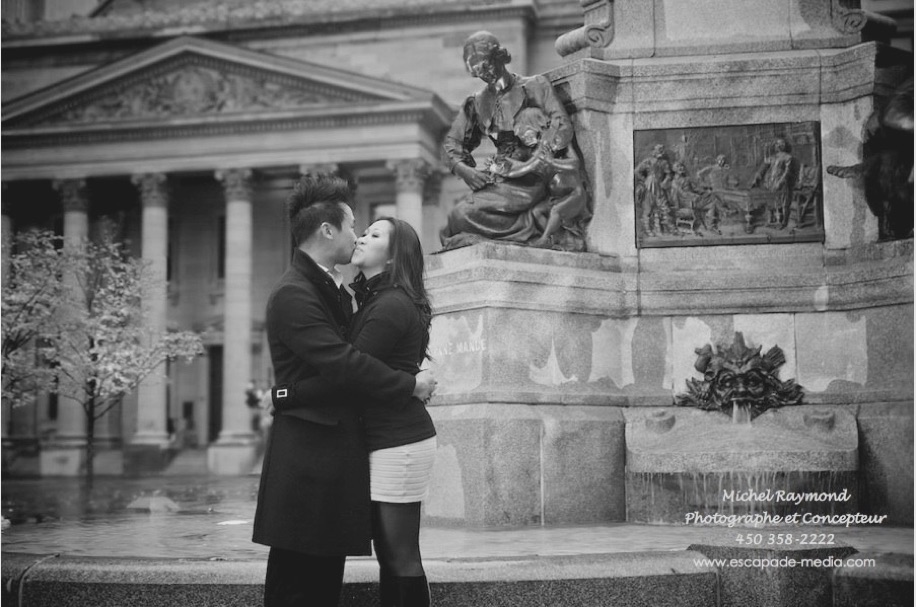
[187, 462]
[888, 584]
[650, 579]
[635, 579]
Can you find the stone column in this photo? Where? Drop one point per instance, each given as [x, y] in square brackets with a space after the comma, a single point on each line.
[64, 455]
[410, 178]
[433, 216]
[71, 423]
[233, 452]
[147, 445]
[7, 235]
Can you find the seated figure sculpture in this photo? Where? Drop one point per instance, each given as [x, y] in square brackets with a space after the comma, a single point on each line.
[513, 204]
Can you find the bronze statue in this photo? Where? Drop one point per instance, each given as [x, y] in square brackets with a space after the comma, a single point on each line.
[718, 176]
[738, 376]
[778, 175]
[887, 164]
[692, 204]
[653, 178]
[532, 191]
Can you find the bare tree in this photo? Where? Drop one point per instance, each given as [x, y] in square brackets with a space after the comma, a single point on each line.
[32, 295]
[95, 343]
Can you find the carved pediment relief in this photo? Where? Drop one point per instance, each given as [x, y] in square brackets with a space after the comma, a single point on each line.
[192, 86]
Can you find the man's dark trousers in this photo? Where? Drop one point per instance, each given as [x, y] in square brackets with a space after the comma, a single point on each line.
[295, 579]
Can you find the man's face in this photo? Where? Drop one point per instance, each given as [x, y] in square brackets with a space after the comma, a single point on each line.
[658, 151]
[345, 237]
[720, 160]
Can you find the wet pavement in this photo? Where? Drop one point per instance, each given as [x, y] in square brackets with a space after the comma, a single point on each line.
[211, 518]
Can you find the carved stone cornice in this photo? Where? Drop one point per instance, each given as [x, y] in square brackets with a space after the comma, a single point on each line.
[73, 194]
[598, 31]
[153, 187]
[628, 29]
[854, 21]
[410, 174]
[25, 138]
[236, 183]
[846, 20]
[310, 16]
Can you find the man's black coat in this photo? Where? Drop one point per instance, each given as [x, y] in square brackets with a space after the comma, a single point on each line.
[314, 492]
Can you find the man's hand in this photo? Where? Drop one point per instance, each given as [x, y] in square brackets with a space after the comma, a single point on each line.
[426, 385]
[471, 176]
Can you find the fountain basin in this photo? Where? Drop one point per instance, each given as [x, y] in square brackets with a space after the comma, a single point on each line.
[113, 554]
[792, 460]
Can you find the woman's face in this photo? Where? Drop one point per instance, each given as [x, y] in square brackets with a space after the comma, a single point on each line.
[371, 254]
[485, 67]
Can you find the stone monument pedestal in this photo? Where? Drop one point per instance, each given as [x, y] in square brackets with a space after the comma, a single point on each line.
[528, 412]
[540, 353]
[543, 356]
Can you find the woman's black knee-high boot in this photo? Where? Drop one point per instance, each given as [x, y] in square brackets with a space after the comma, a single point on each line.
[413, 591]
[387, 589]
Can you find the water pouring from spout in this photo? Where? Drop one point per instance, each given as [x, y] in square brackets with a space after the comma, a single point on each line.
[741, 412]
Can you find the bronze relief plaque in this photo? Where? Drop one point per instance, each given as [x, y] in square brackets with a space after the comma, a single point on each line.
[746, 184]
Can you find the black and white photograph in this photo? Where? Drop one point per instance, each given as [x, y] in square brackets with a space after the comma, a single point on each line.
[457, 303]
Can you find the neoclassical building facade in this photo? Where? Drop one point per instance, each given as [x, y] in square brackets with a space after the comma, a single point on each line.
[187, 124]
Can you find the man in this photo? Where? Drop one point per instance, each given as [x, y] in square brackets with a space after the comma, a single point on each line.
[654, 174]
[778, 176]
[684, 197]
[718, 176]
[313, 502]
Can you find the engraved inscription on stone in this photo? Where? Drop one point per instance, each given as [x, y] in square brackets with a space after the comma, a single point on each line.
[457, 346]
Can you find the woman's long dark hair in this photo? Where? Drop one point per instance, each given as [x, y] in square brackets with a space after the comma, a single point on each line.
[407, 269]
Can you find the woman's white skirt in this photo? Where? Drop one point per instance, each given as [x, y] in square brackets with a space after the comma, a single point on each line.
[400, 475]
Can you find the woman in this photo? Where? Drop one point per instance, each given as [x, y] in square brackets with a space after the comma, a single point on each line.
[392, 325]
[500, 208]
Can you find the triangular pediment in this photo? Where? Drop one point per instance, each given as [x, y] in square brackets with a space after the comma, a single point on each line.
[188, 80]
